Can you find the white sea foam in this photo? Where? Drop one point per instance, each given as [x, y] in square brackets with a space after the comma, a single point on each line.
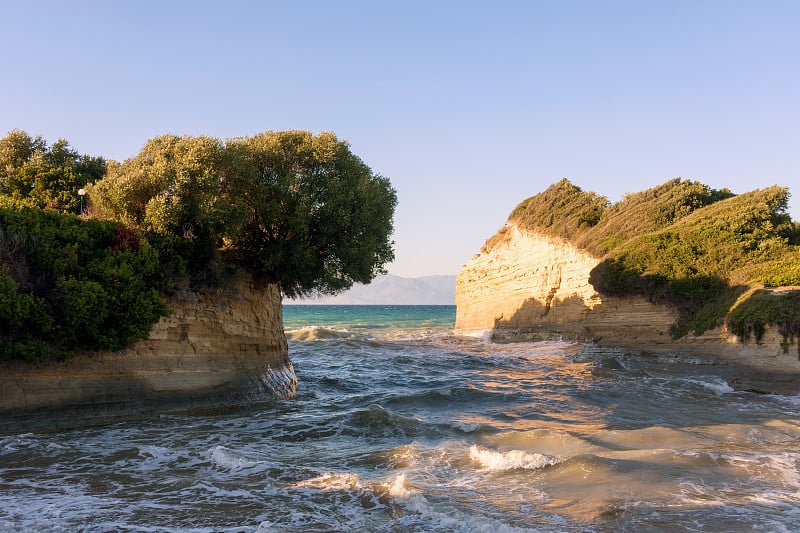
[783, 466]
[511, 460]
[484, 335]
[316, 333]
[466, 427]
[153, 458]
[400, 488]
[228, 459]
[330, 481]
[716, 385]
[428, 516]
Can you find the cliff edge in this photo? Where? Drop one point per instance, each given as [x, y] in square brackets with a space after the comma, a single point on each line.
[529, 284]
[220, 346]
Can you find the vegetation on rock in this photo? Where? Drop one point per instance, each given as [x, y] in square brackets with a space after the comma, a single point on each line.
[37, 175]
[291, 208]
[762, 307]
[68, 284]
[681, 243]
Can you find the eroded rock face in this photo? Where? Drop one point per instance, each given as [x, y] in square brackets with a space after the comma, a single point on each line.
[536, 287]
[218, 346]
[528, 286]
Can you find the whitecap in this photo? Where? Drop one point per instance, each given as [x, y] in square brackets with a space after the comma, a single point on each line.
[511, 460]
[466, 427]
[228, 459]
[317, 333]
[428, 517]
[330, 481]
[716, 385]
[399, 488]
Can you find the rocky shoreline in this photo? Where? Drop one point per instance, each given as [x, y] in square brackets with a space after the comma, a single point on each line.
[525, 286]
[218, 347]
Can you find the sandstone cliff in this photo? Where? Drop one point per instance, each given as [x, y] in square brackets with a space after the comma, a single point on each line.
[529, 286]
[218, 346]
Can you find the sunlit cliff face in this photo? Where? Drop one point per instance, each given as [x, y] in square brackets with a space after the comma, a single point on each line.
[531, 287]
[537, 287]
[520, 271]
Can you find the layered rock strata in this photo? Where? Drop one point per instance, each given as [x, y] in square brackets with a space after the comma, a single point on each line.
[216, 347]
[529, 286]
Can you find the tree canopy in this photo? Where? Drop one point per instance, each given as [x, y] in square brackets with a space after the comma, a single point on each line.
[37, 175]
[294, 208]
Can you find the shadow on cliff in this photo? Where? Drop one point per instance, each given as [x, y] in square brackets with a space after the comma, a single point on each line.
[701, 302]
[542, 321]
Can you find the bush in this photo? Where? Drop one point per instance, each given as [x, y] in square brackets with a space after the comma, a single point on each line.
[761, 308]
[681, 243]
[37, 175]
[68, 284]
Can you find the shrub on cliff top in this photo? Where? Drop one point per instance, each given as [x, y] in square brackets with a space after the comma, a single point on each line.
[589, 221]
[36, 174]
[295, 209]
[563, 210]
[681, 243]
[68, 284]
[761, 307]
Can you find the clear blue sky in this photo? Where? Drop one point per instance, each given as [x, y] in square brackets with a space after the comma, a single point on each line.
[468, 107]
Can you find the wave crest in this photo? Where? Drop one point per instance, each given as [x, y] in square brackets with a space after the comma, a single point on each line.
[511, 460]
[317, 333]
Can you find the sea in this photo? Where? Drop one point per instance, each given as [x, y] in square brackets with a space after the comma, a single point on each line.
[401, 426]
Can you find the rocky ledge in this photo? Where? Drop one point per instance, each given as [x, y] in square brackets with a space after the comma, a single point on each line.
[218, 347]
[525, 286]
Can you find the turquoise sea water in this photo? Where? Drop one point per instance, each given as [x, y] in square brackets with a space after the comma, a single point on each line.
[385, 321]
[399, 425]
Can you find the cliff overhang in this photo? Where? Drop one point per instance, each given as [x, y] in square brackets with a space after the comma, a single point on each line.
[220, 346]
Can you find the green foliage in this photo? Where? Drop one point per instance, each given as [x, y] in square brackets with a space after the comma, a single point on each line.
[315, 217]
[68, 284]
[681, 243]
[762, 307]
[592, 223]
[563, 210]
[647, 211]
[173, 187]
[295, 209]
[33, 174]
[779, 273]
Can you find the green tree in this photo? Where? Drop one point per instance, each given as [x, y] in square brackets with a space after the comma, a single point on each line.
[314, 217]
[16, 149]
[33, 174]
[173, 186]
[295, 209]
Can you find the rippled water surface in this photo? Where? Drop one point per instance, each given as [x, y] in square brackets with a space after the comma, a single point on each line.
[401, 426]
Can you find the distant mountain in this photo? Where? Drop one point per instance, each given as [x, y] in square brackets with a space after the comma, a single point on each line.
[394, 290]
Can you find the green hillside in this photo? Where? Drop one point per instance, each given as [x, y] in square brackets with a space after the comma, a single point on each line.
[684, 244]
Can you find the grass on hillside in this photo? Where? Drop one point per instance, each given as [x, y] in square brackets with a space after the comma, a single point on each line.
[681, 243]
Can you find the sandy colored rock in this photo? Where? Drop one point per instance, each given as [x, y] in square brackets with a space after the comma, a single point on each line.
[217, 346]
[529, 286]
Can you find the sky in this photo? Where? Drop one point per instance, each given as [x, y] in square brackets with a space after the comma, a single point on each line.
[467, 107]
